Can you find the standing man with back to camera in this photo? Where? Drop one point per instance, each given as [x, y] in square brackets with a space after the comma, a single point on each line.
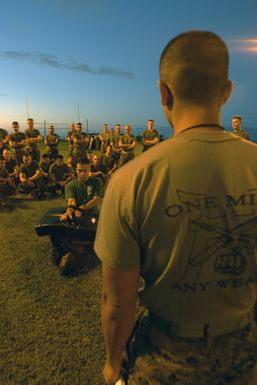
[184, 220]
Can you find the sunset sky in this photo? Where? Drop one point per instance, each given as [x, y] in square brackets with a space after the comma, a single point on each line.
[103, 55]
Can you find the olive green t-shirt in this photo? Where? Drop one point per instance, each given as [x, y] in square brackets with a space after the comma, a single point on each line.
[4, 174]
[17, 138]
[34, 133]
[51, 140]
[185, 215]
[128, 139]
[149, 135]
[61, 173]
[79, 146]
[83, 192]
[30, 170]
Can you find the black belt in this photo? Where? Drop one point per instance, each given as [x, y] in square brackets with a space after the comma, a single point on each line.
[177, 329]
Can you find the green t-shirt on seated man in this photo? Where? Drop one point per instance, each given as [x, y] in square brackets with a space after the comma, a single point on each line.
[83, 191]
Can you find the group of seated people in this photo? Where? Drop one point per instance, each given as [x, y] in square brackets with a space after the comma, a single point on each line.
[24, 170]
[49, 177]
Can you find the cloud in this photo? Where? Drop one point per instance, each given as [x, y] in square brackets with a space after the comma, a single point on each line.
[44, 59]
[3, 94]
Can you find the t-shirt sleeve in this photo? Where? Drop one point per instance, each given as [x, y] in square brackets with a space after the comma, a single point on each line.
[52, 169]
[98, 190]
[69, 191]
[116, 243]
[22, 169]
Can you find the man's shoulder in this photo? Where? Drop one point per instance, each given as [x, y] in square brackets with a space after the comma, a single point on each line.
[3, 131]
[92, 180]
[13, 161]
[23, 167]
[34, 164]
[52, 167]
[65, 167]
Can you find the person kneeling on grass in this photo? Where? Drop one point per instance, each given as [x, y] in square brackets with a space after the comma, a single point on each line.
[7, 186]
[59, 175]
[30, 175]
[83, 196]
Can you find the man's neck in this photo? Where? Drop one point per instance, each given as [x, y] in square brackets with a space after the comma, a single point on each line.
[182, 118]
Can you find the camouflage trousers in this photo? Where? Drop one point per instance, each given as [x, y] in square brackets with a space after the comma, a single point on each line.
[157, 358]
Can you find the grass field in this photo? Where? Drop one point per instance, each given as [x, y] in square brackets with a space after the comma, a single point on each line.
[49, 325]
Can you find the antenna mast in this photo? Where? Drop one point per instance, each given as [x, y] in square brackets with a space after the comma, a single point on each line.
[27, 106]
[78, 112]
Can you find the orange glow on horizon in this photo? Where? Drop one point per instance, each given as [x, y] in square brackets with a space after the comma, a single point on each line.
[248, 41]
[244, 45]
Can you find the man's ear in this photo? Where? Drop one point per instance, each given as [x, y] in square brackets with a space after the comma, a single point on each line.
[227, 92]
[166, 95]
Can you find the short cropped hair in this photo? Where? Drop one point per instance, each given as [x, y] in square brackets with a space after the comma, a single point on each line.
[59, 156]
[44, 156]
[83, 161]
[239, 117]
[195, 65]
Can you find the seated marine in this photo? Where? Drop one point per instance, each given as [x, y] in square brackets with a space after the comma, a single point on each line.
[59, 174]
[30, 175]
[83, 196]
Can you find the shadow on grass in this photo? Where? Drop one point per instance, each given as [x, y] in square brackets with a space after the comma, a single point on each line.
[91, 262]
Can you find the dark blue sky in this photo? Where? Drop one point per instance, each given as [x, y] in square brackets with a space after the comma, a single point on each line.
[105, 56]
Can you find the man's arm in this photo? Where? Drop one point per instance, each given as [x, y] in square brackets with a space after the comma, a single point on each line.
[36, 139]
[118, 316]
[70, 210]
[35, 176]
[22, 177]
[153, 141]
[95, 201]
[132, 145]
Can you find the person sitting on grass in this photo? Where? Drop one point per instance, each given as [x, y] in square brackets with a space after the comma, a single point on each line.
[98, 169]
[30, 175]
[4, 138]
[45, 164]
[7, 186]
[11, 166]
[109, 160]
[83, 196]
[71, 165]
[59, 174]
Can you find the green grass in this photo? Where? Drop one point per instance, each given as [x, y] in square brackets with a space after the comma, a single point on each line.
[49, 324]
[50, 329]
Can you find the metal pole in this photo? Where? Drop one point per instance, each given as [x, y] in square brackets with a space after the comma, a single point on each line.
[87, 125]
[78, 113]
[27, 105]
[44, 128]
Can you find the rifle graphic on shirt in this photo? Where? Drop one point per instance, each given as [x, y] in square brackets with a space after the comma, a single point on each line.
[241, 240]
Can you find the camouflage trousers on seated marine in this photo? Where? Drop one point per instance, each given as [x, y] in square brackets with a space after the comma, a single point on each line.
[159, 359]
